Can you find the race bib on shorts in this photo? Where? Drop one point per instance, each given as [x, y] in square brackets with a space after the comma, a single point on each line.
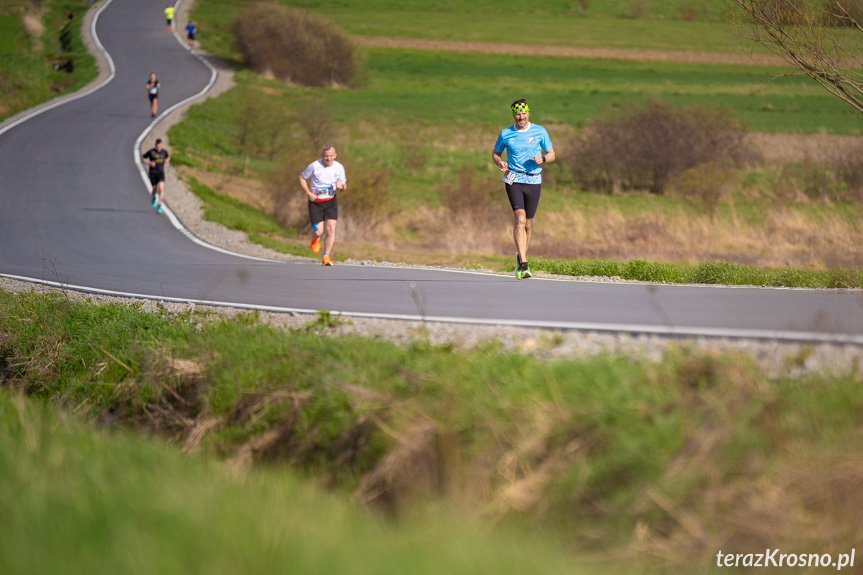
[508, 177]
[153, 90]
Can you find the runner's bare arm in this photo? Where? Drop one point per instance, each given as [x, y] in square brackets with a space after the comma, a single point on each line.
[498, 161]
[549, 157]
[306, 189]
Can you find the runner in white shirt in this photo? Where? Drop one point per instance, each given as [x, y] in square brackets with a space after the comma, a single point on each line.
[320, 181]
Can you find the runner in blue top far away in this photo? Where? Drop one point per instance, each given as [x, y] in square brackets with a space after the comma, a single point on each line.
[528, 147]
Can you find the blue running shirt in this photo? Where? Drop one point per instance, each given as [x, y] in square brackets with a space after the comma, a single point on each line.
[520, 147]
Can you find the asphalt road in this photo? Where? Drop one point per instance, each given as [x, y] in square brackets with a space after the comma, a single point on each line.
[76, 211]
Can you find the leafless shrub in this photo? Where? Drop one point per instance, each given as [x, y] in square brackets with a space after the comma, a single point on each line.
[277, 126]
[290, 205]
[366, 208]
[294, 46]
[839, 13]
[582, 5]
[848, 164]
[415, 155]
[315, 120]
[638, 9]
[788, 12]
[703, 186]
[264, 123]
[806, 180]
[644, 148]
[249, 122]
[844, 13]
[476, 211]
[838, 177]
[692, 9]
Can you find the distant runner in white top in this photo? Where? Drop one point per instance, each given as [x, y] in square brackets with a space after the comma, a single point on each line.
[320, 181]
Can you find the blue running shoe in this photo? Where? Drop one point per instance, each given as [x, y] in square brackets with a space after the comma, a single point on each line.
[159, 209]
[153, 203]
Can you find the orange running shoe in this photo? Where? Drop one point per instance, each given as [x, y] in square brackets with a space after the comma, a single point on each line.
[315, 245]
[326, 261]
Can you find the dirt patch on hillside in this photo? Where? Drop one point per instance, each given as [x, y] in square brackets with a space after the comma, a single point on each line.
[250, 192]
[571, 52]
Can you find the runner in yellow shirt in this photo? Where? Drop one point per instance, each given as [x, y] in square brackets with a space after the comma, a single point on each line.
[169, 16]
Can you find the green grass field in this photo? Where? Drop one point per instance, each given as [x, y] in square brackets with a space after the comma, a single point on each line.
[406, 86]
[518, 12]
[606, 24]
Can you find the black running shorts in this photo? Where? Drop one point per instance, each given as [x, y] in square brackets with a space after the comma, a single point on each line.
[320, 211]
[524, 197]
[156, 177]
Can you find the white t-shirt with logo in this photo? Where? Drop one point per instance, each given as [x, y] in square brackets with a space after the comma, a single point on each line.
[323, 183]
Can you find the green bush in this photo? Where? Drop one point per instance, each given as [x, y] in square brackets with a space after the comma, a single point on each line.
[295, 46]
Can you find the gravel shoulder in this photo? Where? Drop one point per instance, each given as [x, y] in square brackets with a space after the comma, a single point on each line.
[775, 358]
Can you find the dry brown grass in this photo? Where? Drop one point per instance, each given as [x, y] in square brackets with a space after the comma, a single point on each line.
[475, 217]
[788, 238]
[32, 22]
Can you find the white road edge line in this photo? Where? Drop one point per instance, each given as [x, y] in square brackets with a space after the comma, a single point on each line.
[789, 336]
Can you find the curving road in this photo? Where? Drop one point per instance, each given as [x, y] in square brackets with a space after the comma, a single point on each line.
[75, 211]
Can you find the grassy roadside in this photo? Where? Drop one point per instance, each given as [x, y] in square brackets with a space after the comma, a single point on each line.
[78, 500]
[263, 229]
[605, 456]
[43, 53]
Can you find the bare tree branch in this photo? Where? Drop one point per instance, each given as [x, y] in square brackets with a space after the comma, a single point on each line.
[821, 38]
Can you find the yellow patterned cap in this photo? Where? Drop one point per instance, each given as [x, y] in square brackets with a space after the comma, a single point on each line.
[520, 107]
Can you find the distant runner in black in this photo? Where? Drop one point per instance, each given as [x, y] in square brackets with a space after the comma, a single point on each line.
[153, 93]
[156, 159]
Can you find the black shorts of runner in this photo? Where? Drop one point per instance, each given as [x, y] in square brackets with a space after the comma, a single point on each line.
[320, 211]
[156, 177]
[153, 96]
[524, 197]
[169, 22]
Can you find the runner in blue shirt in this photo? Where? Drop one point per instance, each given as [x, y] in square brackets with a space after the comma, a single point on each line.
[524, 144]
